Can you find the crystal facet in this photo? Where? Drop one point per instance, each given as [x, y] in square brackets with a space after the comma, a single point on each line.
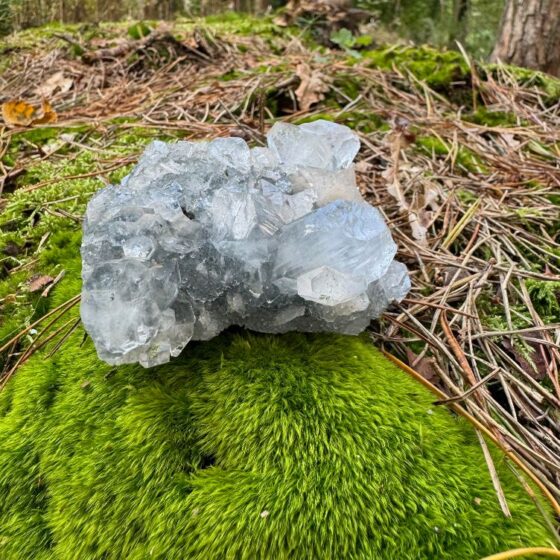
[201, 236]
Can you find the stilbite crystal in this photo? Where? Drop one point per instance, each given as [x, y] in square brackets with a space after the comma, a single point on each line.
[204, 235]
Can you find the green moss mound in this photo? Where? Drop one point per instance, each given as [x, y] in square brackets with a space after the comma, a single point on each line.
[246, 447]
[439, 69]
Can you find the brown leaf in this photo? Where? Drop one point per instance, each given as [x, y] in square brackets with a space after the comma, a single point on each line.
[312, 87]
[535, 366]
[39, 282]
[56, 82]
[21, 113]
[421, 212]
[424, 366]
[424, 197]
[12, 249]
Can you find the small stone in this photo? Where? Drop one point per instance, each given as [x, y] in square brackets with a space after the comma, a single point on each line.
[201, 236]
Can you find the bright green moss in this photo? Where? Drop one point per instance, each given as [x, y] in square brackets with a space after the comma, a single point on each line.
[231, 75]
[351, 86]
[241, 24]
[545, 296]
[139, 30]
[30, 38]
[439, 69]
[548, 85]
[293, 446]
[485, 117]
[38, 135]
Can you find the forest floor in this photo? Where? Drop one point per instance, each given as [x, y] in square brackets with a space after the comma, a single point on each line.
[463, 160]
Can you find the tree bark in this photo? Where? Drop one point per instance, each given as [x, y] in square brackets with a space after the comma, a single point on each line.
[459, 25]
[530, 35]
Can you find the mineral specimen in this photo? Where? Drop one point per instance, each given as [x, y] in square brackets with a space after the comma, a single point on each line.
[205, 235]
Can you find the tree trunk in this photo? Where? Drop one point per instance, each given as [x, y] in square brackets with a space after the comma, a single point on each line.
[261, 6]
[459, 25]
[530, 35]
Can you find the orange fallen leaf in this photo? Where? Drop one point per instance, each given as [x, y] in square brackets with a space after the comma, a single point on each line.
[17, 113]
[21, 113]
[49, 115]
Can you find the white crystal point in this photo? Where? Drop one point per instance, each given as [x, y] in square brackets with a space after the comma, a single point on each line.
[395, 282]
[328, 286]
[348, 236]
[201, 236]
[320, 144]
[343, 142]
[327, 186]
[231, 152]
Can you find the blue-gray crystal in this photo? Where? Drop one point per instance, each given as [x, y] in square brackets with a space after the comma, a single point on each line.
[201, 236]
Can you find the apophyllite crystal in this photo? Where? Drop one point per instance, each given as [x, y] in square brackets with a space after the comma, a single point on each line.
[204, 235]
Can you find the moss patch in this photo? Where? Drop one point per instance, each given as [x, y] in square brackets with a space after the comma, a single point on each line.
[545, 296]
[486, 117]
[447, 72]
[245, 447]
[547, 84]
[439, 69]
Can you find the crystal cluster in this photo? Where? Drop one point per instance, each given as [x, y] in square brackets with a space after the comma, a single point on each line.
[205, 235]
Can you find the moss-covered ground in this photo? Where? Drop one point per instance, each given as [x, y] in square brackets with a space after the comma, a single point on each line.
[245, 447]
[275, 447]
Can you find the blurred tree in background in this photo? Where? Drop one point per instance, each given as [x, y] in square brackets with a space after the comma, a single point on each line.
[528, 35]
[474, 23]
[20, 14]
[435, 21]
